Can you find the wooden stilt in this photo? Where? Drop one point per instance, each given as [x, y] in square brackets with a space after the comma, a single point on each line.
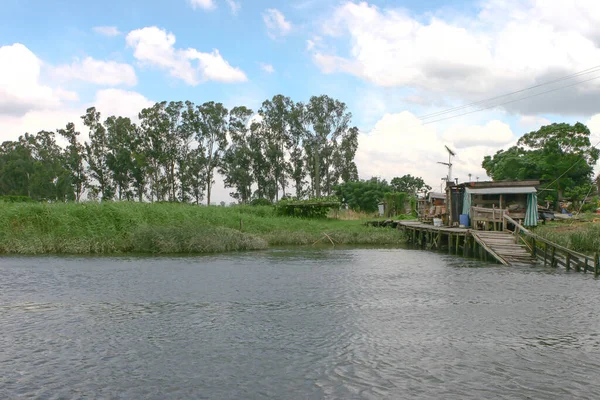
[553, 263]
[545, 254]
[568, 262]
[596, 265]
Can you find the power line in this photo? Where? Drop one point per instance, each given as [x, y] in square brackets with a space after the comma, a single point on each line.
[458, 108]
[511, 101]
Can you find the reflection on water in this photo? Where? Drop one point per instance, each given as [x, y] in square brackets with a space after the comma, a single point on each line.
[308, 323]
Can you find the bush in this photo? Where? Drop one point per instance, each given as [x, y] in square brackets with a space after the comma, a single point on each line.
[16, 199]
[260, 202]
[315, 208]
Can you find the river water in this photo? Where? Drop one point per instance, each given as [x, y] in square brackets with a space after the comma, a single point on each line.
[295, 324]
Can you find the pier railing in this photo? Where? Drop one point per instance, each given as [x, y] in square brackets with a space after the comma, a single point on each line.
[552, 253]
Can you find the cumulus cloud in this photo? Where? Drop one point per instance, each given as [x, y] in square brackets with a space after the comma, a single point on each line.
[507, 46]
[20, 87]
[107, 30]
[400, 144]
[277, 25]
[107, 101]
[109, 73]
[155, 47]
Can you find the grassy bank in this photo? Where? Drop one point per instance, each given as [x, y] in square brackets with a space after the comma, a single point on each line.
[127, 227]
[582, 236]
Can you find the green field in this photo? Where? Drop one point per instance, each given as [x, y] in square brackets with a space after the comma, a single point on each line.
[168, 228]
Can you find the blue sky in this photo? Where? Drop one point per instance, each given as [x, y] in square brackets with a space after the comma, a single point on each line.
[390, 61]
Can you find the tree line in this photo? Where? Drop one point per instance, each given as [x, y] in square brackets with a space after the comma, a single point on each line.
[286, 148]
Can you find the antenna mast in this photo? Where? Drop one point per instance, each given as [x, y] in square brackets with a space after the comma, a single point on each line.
[449, 163]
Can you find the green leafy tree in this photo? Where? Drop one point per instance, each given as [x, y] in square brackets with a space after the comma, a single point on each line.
[120, 158]
[96, 151]
[329, 122]
[275, 115]
[363, 195]
[560, 154]
[237, 159]
[74, 160]
[409, 184]
[213, 137]
[154, 122]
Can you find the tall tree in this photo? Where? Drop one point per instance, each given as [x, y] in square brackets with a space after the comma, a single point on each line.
[74, 160]
[213, 137]
[275, 115]
[154, 122]
[329, 122]
[237, 160]
[121, 134]
[96, 151]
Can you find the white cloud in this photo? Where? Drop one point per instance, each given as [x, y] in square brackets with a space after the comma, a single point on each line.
[204, 4]
[234, 6]
[155, 47]
[268, 68]
[400, 144]
[107, 30]
[532, 122]
[507, 46]
[277, 25]
[20, 86]
[108, 102]
[110, 73]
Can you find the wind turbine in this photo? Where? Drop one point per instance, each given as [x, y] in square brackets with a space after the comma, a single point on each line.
[449, 163]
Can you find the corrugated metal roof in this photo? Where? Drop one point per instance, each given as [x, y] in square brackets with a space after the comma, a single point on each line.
[437, 195]
[503, 190]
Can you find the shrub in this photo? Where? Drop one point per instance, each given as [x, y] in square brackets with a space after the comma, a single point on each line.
[260, 202]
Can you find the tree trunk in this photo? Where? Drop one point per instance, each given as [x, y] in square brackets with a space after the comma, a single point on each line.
[317, 178]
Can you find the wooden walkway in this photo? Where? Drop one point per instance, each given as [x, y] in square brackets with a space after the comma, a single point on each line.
[502, 246]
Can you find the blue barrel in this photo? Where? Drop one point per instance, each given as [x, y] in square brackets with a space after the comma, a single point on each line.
[463, 219]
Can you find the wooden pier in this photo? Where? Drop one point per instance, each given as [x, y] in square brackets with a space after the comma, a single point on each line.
[517, 247]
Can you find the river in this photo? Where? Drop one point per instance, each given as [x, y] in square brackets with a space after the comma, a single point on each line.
[295, 324]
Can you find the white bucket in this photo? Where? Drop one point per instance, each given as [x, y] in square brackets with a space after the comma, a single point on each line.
[437, 222]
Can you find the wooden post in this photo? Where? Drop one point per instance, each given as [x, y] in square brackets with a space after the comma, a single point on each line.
[596, 265]
[533, 249]
[585, 266]
[450, 243]
[553, 259]
[465, 247]
[457, 244]
[545, 254]
[568, 262]
[578, 266]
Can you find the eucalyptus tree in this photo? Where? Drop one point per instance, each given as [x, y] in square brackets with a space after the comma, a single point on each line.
[74, 160]
[96, 151]
[329, 123]
[154, 122]
[237, 159]
[121, 135]
[213, 139]
[275, 115]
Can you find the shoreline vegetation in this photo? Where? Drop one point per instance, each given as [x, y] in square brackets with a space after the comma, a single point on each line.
[169, 228]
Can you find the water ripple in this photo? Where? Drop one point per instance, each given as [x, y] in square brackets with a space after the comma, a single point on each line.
[350, 323]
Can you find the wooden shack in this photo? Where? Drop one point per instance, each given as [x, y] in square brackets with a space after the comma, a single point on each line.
[432, 206]
[484, 203]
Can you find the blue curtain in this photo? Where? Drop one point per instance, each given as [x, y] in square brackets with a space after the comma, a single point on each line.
[467, 204]
[531, 214]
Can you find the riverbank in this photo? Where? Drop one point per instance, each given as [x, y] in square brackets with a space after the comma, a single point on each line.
[168, 228]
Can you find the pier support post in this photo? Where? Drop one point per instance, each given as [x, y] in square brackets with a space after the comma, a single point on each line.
[457, 244]
[596, 265]
[585, 266]
[568, 262]
[450, 243]
[465, 246]
[553, 262]
[545, 254]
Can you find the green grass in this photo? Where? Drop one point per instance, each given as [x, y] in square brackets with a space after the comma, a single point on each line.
[583, 237]
[127, 227]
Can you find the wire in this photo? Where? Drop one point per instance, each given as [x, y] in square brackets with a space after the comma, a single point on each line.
[509, 102]
[567, 77]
